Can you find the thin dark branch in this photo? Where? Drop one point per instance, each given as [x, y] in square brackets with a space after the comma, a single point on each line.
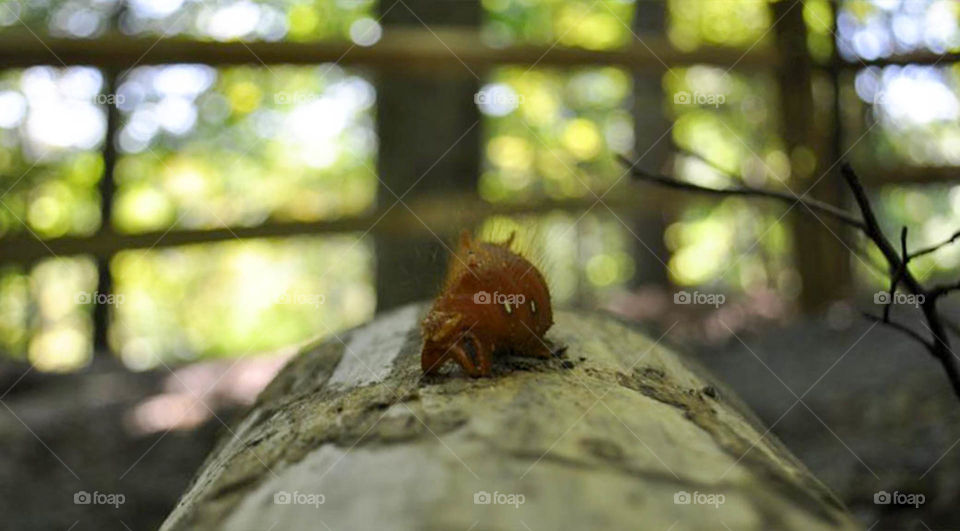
[928, 250]
[898, 275]
[939, 345]
[855, 247]
[812, 204]
[872, 226]
[904, 255]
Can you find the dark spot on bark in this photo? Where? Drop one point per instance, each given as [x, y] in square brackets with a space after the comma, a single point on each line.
[602, 448]
[256, 441]
[653, 373]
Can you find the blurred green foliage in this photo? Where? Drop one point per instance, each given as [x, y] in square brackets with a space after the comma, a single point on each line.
[45, 315]
[906, 116]
[595, 25]
[248, 145]
[726, 123]
[270, 20]
[50, 133]
[561, 139]
[198, 148]
[238, 297]
[734, 23]
[818, 16]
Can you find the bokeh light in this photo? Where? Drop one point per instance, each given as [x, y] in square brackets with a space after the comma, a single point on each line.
[236, 298]
[595, 25]
[204, 148]
[51, 129]
[870, 29]
[223, 20]
[554, 134]
[45, 315]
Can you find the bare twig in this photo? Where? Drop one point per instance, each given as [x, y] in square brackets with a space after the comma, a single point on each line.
[898, 275]
[813, 204]
[932, 248]
[898, 262]
[852, 245]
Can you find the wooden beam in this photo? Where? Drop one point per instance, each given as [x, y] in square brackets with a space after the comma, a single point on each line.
[451, 49]
[909, 175]
[434, 210]
[389, 220]
[912, 58]
[445, 49]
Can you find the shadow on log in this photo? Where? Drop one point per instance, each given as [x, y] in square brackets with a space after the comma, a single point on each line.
[618, 431]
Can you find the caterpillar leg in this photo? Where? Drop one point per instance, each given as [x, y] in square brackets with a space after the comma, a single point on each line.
[431, 360]
[481, 364]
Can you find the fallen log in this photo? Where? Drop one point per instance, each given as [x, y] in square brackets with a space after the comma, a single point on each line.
[615, 431]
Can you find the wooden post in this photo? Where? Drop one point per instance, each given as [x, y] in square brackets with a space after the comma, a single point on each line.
[650, 253]
[107, 187]
[429, 141]
[822, 260]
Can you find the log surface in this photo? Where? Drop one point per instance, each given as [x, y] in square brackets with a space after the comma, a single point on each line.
[615, 432]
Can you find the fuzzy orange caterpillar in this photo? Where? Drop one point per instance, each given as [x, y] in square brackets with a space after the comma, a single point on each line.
[493, 301]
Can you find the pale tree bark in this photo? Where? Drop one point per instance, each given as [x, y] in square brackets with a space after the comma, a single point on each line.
[611, 433]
